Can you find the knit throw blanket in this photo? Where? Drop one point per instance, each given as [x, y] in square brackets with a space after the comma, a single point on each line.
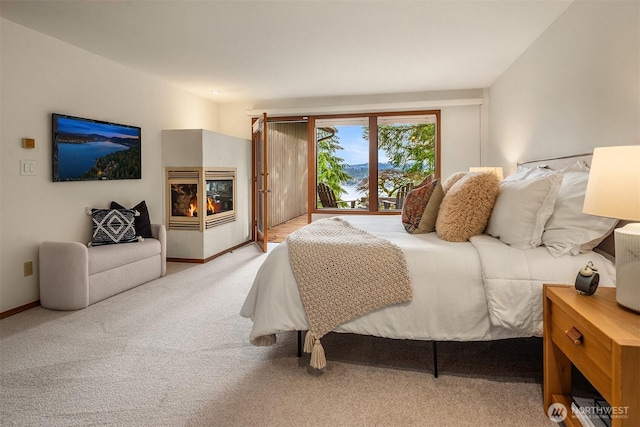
[342, 273]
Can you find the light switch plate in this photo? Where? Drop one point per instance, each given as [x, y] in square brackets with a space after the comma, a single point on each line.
[27, 167]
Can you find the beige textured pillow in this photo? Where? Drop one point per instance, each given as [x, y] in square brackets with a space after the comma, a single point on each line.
[448, 183]
[428, 221]
[466, 207]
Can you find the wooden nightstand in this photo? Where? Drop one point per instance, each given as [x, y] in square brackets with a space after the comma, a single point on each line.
[604, 345]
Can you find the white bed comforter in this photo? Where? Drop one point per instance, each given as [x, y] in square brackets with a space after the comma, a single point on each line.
[471, 291]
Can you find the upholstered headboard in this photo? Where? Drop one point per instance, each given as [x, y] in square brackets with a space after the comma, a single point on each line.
[607, 246]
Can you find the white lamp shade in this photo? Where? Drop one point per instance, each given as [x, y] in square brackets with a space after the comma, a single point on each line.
[613, 189]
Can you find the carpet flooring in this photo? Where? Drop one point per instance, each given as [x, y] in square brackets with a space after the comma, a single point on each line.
[175, 352]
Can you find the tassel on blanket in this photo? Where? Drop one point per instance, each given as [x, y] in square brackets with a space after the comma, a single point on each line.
[308, 342]
[318, 359]
[312, 345]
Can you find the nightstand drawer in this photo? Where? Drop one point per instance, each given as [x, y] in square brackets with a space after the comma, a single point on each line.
[591, 353]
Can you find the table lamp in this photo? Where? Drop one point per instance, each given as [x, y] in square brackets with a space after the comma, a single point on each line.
[613, 191]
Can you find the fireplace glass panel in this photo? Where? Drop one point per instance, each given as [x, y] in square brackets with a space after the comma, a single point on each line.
[219, 196]
[184, 200]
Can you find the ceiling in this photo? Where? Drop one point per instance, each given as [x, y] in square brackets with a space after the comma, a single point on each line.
[269, 50]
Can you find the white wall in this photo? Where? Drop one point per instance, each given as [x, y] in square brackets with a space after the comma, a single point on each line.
[460, 139]
[235, 121]
[576, 88]
[41, 75]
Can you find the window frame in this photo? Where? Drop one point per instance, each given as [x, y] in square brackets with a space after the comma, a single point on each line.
[373, 159]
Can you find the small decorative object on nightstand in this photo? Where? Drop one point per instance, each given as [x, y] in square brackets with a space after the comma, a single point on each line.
[587, 279]
[602, 340]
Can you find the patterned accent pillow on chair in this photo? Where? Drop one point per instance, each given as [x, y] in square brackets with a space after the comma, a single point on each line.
[112, 226]
[415, 203]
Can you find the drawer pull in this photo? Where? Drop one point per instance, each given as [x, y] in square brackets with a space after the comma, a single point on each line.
[574, 335]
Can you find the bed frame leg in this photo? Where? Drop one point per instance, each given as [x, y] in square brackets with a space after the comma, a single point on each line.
[435, 360]
[299, 343]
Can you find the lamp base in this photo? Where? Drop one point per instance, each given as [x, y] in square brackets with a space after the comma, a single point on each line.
[627, 241]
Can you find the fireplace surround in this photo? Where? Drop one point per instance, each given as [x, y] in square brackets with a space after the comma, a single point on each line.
[200, 198]
[195, 156]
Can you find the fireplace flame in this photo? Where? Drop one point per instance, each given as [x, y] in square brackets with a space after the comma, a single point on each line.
[211, 208]
[192, 210]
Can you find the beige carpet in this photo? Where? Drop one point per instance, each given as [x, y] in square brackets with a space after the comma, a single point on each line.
[175, 352]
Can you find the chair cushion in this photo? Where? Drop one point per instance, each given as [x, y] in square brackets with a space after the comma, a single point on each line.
[107, 257]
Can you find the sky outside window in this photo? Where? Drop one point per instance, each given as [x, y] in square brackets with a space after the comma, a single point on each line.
[356, 149]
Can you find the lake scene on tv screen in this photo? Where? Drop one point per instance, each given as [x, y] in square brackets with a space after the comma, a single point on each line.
[89, 150]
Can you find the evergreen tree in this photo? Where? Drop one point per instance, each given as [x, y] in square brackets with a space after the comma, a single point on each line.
[330, 166]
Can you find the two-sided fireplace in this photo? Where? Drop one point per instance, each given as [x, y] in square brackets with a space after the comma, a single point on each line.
[200, 198]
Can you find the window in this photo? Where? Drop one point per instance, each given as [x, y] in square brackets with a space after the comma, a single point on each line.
[402, 147]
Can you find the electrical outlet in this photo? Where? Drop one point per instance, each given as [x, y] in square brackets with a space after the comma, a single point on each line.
[28, 268]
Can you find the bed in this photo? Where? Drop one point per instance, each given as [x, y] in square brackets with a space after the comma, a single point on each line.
[477, 290]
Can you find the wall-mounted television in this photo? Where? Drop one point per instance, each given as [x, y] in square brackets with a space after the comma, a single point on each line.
[93, 150]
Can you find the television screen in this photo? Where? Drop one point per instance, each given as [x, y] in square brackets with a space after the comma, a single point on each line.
[89, 150]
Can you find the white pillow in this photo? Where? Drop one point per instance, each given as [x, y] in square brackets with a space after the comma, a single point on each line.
[523, 208]
[523, 173]
[520, 174]
[578, 166]
[569, 231]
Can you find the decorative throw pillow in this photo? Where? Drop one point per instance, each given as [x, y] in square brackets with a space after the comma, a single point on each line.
[112, 226]
[430, 215]
[523, 208]
[415, 203]
[448, 183]
[466, 207]
[142, 222]
[568, 230]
